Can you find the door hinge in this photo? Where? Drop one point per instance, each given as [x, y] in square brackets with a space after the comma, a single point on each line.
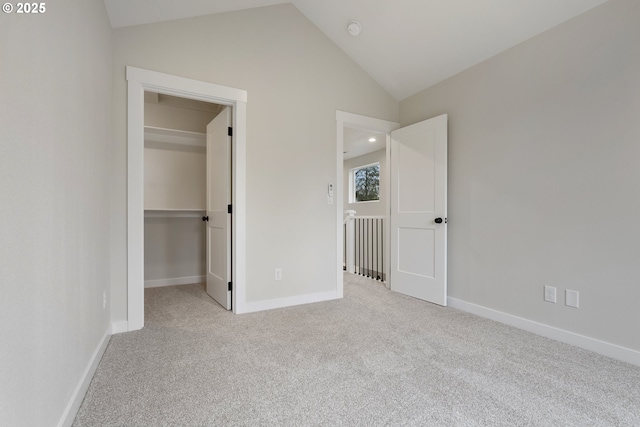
[230, 286]
[229, 209]
[230, 131]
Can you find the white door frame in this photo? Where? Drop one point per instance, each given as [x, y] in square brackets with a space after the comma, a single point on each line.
[351, 120]
[139, 81]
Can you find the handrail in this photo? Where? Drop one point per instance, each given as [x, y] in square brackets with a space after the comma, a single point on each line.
[349, 214]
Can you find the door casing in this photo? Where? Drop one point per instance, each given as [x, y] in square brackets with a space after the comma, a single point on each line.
[141, 80]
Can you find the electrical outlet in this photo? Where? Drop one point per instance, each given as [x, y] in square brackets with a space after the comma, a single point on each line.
[104, 299]
[278, 274]
[550, 294]
[571, 298]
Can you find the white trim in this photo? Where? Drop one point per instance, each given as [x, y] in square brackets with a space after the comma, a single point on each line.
[601, 347]
[365, 201]
[119, 327]
[239, 201]
[139, 80]
[135, 204]
[357, 121]
[183, 87]
[387, 234]
[289, 301]
[339, 191]
[70, 412]
[188, 280]
[366, 123]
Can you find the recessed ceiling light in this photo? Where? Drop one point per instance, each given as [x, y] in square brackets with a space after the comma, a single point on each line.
[372, 139]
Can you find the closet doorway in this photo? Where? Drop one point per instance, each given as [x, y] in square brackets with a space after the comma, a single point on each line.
[187, 194]
[140, 81]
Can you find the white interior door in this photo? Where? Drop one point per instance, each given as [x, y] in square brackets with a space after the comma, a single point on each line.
[218, 202]
[418, 204]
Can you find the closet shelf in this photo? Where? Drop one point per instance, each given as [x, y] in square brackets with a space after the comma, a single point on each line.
[174, 213]
[173, 136]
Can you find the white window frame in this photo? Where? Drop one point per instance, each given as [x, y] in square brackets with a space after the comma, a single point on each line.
[352, 190]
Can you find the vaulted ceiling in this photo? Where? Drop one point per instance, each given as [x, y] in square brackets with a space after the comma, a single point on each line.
[405, 45]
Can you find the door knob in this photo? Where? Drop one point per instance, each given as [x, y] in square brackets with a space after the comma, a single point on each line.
[205, 218]
[438, 220]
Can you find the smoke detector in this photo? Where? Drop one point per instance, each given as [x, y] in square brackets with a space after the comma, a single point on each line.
[354, 28]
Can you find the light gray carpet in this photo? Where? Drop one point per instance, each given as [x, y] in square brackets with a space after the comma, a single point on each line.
[373, 358]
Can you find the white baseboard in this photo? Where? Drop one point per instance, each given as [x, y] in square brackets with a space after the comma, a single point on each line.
[271, 304]
[119, 327]
[81, 389]
[601, 347]
[174, 281]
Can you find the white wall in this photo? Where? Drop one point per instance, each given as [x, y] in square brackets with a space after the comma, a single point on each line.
[296, 79]
[55, 133]
[544, 175]
[367, 208]
[174, 247]
[174, 177]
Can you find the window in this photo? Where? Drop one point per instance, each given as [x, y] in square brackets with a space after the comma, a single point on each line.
[365, 183]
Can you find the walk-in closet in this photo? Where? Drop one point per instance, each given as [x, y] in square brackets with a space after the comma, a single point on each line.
[175, 168]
